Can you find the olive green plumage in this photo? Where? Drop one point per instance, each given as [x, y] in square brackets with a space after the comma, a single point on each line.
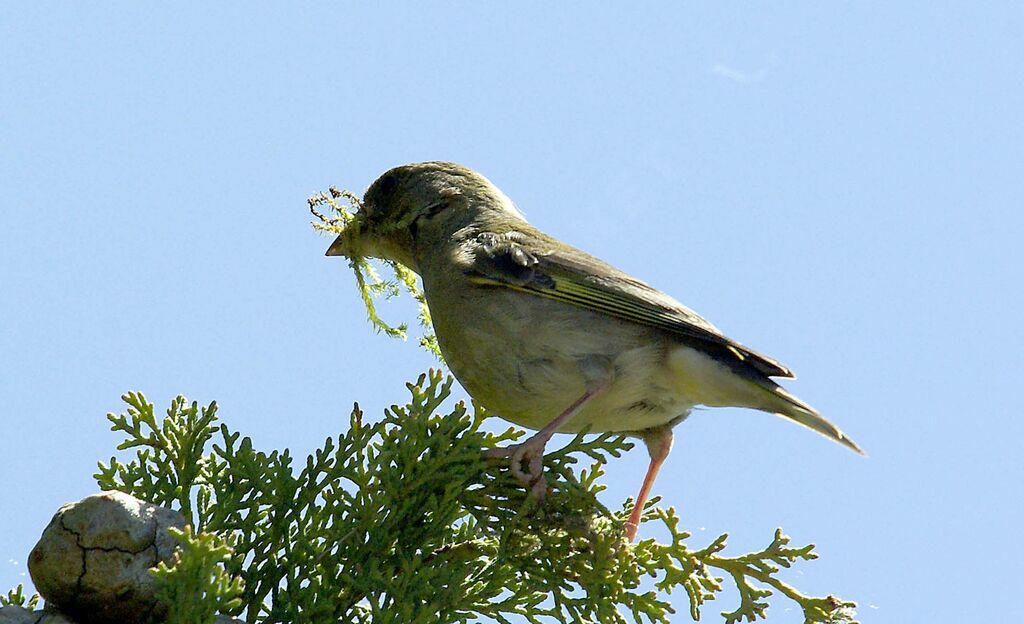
[528, 324]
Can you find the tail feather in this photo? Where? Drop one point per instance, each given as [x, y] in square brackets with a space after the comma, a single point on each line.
[787, 405]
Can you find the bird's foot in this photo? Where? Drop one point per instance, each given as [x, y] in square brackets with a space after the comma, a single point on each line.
[531, 455]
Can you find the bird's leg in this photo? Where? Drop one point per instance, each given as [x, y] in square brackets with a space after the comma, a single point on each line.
[659, 443]
[531, 450]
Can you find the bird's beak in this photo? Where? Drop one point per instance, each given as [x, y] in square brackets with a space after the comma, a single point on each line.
[339, 247]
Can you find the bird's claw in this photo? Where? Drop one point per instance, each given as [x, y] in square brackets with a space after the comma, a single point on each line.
[530, 453]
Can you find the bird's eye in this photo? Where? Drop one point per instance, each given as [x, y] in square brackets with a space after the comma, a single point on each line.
[429, 212]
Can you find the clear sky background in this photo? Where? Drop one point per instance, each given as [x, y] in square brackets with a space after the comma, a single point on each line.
[835, 184]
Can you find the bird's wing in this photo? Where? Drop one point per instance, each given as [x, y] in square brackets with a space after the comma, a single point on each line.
[541, 268]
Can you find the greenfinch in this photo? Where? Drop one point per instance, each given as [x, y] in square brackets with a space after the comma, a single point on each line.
[550, 337]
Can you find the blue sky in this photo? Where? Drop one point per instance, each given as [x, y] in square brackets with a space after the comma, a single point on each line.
[835, 184]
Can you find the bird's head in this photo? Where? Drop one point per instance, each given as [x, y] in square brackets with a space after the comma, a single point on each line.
[418, 206]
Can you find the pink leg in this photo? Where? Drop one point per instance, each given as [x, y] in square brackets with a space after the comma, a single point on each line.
[659, 443]
[532, 449]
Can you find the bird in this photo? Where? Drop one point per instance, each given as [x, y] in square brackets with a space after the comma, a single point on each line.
[550, 337]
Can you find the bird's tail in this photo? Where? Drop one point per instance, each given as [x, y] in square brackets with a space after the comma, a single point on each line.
[785, 404]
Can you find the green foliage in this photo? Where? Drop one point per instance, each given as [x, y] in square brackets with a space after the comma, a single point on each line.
[405, 520]
[196, 587]
[170, 465]
[16, 598]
